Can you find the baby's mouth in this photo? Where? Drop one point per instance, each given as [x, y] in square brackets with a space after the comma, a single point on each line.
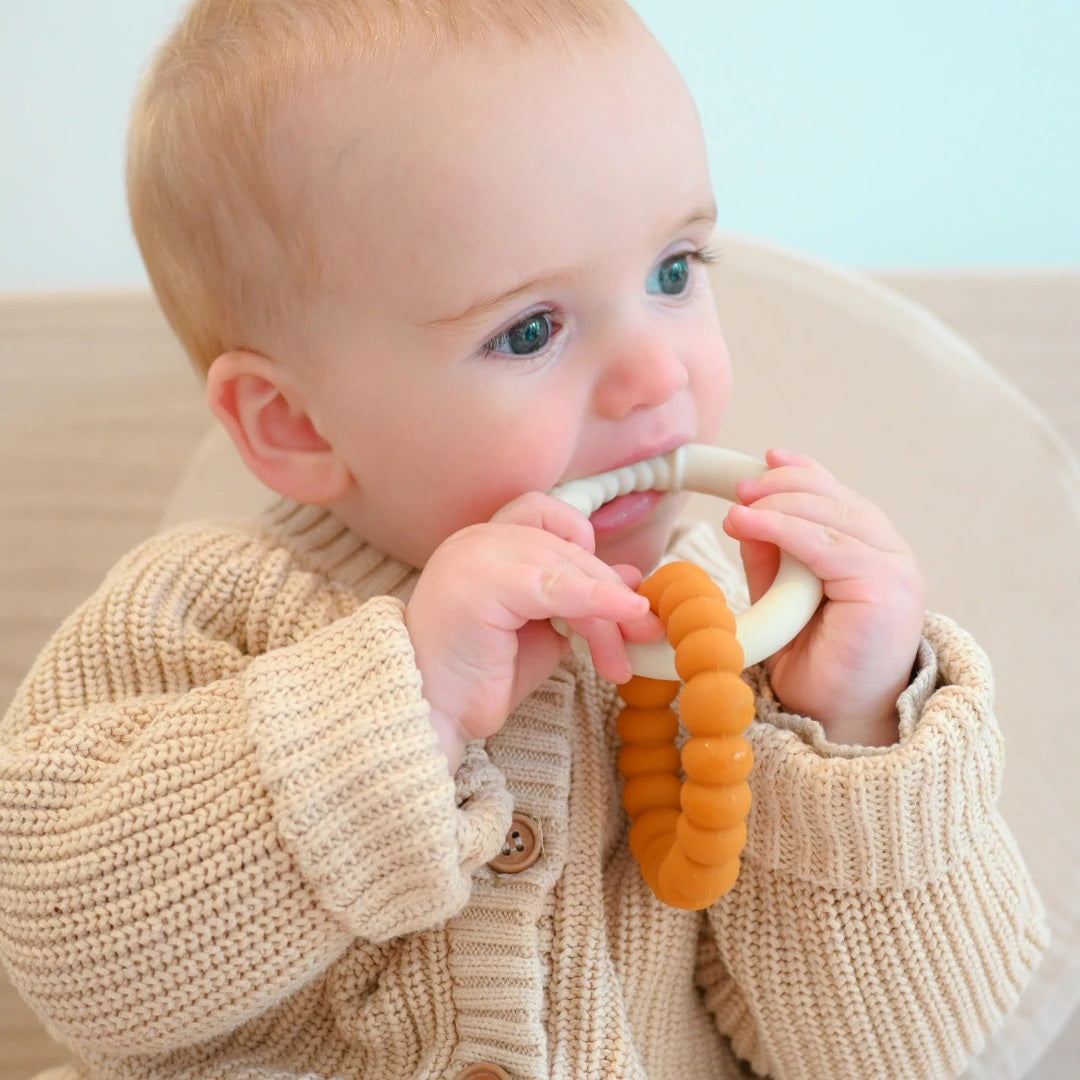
[625, 488]
[624, 511]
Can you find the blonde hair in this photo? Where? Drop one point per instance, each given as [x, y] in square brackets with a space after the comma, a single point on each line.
[225, 252]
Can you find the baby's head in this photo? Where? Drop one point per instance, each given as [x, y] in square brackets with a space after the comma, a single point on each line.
[433, 255]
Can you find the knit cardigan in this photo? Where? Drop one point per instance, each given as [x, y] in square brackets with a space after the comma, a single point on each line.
[230, 847]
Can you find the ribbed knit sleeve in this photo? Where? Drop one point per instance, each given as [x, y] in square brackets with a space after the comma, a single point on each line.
[217, 776]
[359, 791]
[883, 921]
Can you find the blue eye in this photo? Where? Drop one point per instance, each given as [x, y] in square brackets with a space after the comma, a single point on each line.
[671, 277]
[524, 338]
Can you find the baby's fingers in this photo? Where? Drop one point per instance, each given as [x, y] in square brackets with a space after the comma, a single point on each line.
[789, 471]
[850, 515]
[550, 514]
[576, 587]
[606, 645]
[607, 641]
[851, 569]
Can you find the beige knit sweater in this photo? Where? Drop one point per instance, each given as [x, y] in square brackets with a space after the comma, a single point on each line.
[229, 847]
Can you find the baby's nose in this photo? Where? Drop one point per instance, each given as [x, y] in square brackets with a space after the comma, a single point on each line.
[643, 374]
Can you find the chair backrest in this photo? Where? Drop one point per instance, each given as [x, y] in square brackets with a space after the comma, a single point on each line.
[984, 489]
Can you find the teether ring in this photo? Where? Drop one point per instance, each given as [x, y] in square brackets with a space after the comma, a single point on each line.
[777, 616]
[687, 836]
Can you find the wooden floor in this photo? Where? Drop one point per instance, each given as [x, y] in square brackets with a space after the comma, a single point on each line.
[1025, 324]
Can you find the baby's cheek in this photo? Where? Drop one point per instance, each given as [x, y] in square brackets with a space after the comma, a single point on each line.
[476, 503]
[712, 390]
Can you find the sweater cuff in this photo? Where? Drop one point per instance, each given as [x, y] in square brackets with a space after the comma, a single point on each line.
[854, 817]
[362, 796]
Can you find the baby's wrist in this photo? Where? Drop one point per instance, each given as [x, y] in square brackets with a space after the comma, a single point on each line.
[451, 738]
[868, 728]
[869, 720]
[849, 718]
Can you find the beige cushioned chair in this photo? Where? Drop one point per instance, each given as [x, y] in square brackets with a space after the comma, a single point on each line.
[905, 412]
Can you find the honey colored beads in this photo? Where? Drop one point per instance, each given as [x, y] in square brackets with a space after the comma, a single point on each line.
[688, 834]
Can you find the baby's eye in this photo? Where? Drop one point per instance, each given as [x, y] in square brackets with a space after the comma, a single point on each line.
[670, 277]
[524, 338]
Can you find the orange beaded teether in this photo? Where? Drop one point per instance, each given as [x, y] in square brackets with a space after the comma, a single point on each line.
[688, 835]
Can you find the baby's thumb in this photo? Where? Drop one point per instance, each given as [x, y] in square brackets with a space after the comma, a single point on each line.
[540, 648]
[760, 563]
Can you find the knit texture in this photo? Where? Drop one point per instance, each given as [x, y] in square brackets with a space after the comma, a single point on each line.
[230, 847]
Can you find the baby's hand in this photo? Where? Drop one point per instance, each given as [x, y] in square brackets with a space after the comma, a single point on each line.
[847, 667]
[478, 617]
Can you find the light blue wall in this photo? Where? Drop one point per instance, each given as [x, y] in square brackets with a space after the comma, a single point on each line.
[891, 132]
[869, 132]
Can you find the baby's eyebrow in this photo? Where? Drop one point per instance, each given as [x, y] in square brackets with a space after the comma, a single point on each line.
[484, 304]
[704, 215]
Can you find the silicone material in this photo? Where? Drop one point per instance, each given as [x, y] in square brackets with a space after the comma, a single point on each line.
[767, 625]
[688, 806]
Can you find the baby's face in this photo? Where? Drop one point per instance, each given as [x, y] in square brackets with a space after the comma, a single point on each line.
[512, 241]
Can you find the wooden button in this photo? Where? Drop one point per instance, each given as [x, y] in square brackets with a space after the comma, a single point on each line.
[483, 1070]
[522, 847]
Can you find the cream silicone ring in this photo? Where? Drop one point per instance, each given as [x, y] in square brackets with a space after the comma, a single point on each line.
[767, 625]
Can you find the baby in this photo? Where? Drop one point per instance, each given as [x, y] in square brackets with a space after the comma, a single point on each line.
[325, 794]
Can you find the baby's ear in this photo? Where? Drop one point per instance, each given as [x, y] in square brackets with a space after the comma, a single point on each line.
[265, 416]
